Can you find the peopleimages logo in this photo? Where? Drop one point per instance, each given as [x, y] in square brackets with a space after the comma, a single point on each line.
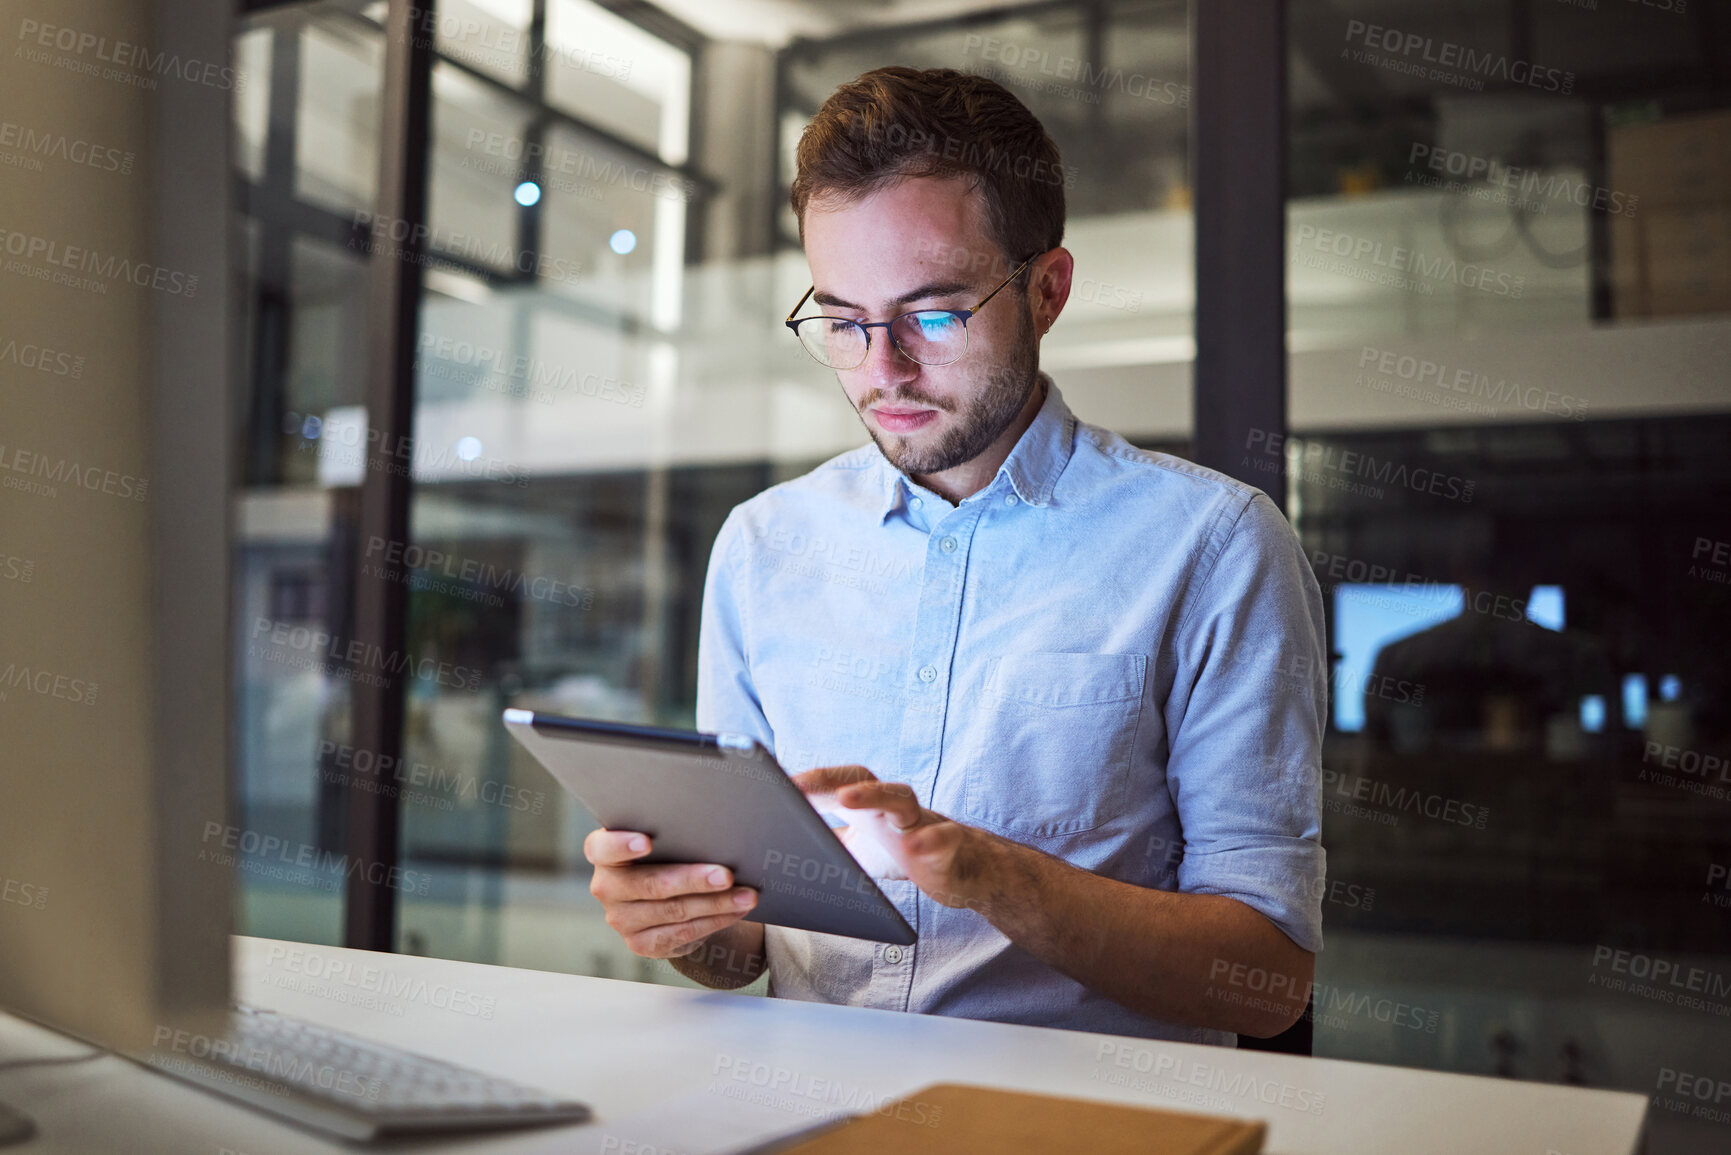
[806, 1094]
[1239, 1089]
[265, 850]
[523, 376]
[397, 239]
[344, 442]
[823, 551]
[383, 774]
[1457, 387]
[1718, 892]
[1325, 1000]
[857, 674]
[36, 39]
[333, 977]
[1020, 165]
[309, 645]
[816, 881]
[1662, 979]
[1527, 186]
[36, 144]
[1397, 799]
[421, 567]
[1446, 61]
[492, 44]
[277, 1066]
[1073, 68]
[24, 894]
[1334, 467]
[60, 257]
[46, 684]
[512, 154]
[1702, 1096]
[42, 359]
[59, 470]
[1109, 295]
[1397, 266]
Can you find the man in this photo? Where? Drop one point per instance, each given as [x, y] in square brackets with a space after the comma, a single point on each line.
[1070, 692]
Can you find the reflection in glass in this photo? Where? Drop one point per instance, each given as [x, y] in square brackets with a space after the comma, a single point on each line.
[618, 76]
[337, 122]
[491, 36]
[479, 141]
[252, 55]
[642, 397]
[1507, 385]
[307, 162]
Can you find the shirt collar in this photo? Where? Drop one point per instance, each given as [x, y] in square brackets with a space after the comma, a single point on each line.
[1032, 467]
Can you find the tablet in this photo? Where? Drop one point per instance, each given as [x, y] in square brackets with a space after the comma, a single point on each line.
[718, 798]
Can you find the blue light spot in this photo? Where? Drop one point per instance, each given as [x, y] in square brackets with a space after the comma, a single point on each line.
[1368, 617]
[1670, 688]
[622, 242]
[527, 193]
[1634, 700]
[1593, 713]
[469, 448]
[1545, 607]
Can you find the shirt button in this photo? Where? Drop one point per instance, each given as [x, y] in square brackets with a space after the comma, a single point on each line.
[948, 545]
[928, 673]
[1009, 499]
[917, 502]
[893, 954]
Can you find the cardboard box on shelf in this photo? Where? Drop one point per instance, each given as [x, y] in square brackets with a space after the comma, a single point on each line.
[1683, 160]
[1669, 257]
[1688, 261]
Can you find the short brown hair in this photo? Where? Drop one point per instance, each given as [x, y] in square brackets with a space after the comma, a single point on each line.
[895, 123]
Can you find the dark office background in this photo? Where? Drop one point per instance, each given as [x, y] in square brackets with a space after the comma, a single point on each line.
[1504, 436]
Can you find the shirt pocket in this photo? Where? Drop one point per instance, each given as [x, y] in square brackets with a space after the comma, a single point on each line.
[1055, 737]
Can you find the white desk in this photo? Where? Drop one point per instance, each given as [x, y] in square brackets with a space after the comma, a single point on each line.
[664, 1069]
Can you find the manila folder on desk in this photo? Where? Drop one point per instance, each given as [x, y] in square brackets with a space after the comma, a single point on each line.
[960, 1120]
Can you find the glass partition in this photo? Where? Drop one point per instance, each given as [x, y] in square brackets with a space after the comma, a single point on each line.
[1507, 309]
[601, 376]
[307, 146]
[631, 397]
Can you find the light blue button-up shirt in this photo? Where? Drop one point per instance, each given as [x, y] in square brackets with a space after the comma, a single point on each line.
[1112, 655]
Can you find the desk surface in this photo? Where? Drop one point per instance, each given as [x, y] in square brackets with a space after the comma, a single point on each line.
[673, 1070]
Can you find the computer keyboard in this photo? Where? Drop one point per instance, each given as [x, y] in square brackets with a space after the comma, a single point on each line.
[352, 1087]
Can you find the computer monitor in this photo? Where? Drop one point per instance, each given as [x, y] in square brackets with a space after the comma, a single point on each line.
[116, 453]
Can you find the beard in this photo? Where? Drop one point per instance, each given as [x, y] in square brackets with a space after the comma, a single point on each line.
[998, 391]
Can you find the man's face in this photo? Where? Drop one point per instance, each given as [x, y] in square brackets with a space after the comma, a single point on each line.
[922, 244]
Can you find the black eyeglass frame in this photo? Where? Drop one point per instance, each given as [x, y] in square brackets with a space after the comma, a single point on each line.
[962, 314]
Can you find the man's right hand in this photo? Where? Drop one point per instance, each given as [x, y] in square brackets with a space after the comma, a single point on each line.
[661, 911]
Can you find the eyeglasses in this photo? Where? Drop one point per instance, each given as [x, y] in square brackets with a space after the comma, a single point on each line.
[928, 336]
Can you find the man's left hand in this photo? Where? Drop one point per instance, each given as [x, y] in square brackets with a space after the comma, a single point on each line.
[893, 836]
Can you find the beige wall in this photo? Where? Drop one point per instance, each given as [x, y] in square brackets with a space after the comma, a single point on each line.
[113, 484]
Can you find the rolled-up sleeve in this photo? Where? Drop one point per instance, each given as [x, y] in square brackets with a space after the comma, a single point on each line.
[1245, 718]
[726, 698]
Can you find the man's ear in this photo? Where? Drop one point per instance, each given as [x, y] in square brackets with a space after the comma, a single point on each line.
[1049, 286]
